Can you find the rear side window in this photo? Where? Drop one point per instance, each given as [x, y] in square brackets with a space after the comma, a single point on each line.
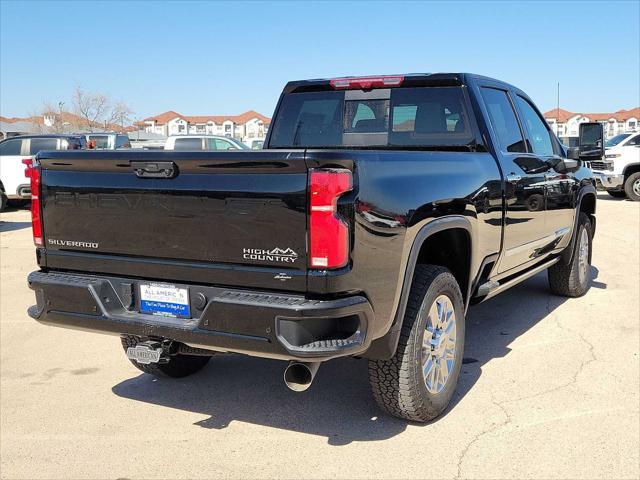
[188, 144]
[11, 147]
[504, 120]
[38, 144]
[397, 117]
[538, 134]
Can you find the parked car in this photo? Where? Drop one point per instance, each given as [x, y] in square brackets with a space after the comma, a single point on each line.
[14, 151]
[254, 143]
[108, 141]
[619, 172]
[203, 142]
[382, 208]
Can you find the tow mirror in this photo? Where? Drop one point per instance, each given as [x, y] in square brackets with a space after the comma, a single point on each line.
[591, 141]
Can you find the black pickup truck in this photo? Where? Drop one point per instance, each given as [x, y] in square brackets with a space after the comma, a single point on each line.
[381, 208]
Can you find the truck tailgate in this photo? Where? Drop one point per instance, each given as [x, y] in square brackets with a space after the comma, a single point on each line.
[232, 218]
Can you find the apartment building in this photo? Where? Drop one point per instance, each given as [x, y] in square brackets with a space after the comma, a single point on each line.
[566, 124]
[245, 126]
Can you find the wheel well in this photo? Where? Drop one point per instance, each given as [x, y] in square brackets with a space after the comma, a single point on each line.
[588, 206]
[451, 249]
[631, 169]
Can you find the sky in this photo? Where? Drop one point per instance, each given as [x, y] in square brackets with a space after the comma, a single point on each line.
[219, 58]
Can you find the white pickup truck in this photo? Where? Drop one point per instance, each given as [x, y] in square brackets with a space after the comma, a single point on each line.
[619, 173]
[14, 151]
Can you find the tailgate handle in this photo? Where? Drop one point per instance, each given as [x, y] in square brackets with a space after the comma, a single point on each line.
[155, 169]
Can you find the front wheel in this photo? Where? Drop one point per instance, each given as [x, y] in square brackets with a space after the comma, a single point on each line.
[418, 382]
[178, 365]
[632, 187]
[573, 280]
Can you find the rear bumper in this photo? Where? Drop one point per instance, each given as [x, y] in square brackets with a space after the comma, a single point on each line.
[23, 192]
[282, 326]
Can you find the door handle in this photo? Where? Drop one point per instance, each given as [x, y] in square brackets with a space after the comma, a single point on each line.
[513, 178]
[154, 169]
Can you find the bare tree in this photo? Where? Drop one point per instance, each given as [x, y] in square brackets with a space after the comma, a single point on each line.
[97, 111]
[120, 115]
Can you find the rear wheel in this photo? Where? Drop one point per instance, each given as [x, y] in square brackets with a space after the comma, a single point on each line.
[3, 201]
[178, 365]
[573, 280]
[418, 382]
[617, 193]
[632, 187]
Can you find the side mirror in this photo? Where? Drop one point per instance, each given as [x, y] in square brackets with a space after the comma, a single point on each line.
[591, 141]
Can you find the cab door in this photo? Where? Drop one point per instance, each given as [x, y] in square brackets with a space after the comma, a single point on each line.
[560, 188]
[524, 184]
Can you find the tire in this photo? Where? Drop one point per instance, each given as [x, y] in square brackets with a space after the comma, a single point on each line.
[574, 280]
[617, 193]
[3, 202]
[632, 187]
[178, 366]
[398, 384]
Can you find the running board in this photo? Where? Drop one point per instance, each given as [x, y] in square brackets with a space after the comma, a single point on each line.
[491, 289]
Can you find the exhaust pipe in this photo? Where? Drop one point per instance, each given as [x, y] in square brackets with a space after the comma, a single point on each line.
[299, 375]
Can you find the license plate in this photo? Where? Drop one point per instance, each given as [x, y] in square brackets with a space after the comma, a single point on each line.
[163, 299]
[144, 354]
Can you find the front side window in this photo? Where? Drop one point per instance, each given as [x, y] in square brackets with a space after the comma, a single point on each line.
[538, 134]
[11, 147]
[219, 144]
[613, 141]
[634, 141]
[504, 120]
[38, 144]
[188, 144]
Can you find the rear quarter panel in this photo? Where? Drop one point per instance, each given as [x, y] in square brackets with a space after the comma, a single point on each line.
[396, 194]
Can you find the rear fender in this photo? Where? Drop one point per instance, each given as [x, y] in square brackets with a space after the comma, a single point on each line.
[385, 347]
[567, 254]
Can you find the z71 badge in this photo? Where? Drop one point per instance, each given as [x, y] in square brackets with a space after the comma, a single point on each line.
[274, 255]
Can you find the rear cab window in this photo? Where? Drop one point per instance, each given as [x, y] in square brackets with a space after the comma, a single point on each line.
[403, 117]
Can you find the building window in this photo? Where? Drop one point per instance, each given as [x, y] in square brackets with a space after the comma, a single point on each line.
[180, 128]
[227, 128]
[632, 124]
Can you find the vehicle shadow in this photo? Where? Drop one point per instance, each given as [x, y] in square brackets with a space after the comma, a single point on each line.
[339, 404]
[606, 197]
[11, 226]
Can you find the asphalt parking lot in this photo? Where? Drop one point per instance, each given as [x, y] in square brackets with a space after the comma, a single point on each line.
[550, 390]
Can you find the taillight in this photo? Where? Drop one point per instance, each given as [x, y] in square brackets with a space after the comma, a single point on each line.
[28, 162]
[36, 221]
[328, 233]
[366, 83]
